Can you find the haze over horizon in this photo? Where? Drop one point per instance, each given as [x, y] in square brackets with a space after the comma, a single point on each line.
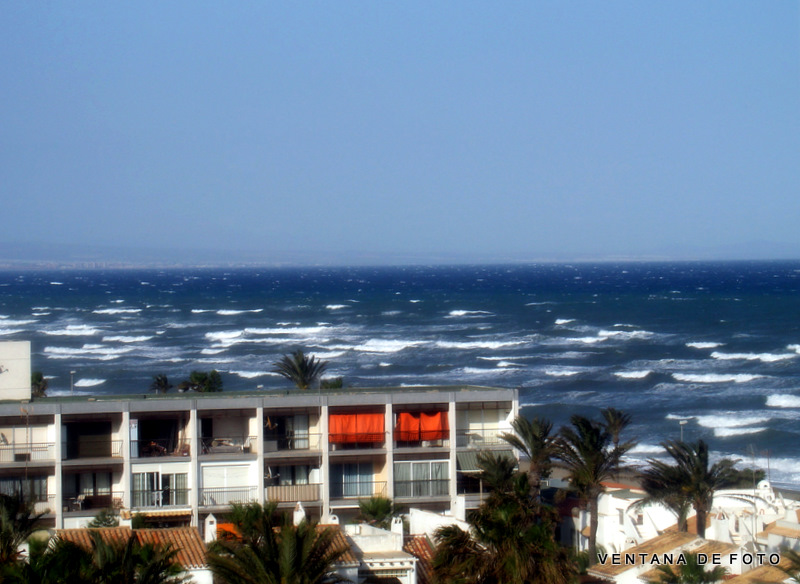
[368, 133]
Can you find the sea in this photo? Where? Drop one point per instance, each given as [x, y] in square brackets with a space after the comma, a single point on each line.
[713, 345]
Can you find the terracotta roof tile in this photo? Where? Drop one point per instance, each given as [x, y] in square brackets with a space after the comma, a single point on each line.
[420, 547]
[763, 575]
[662, 544]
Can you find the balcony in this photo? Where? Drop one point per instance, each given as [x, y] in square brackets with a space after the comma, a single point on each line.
[480, 438]
[422, 488]
[28, 452]
[358, 490]
[293, 493]
[437, 443]
[291, 442]
[160, 498]
[355, 441]
[160, 447]
[221, 496]
[227, 444]
[83, 502]
[94, 447]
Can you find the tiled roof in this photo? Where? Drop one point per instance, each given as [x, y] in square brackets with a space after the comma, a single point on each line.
[691, 523]
[340, 543]
[709, 548]
[763, 575]
[662, 544]
[420, 547]
[186, 540]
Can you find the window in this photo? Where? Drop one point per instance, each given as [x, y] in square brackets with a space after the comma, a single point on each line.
[353, 479]
[428, 478]
[153, 489]
[33, 489]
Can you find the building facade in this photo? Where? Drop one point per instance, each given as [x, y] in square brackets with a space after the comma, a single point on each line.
[177, 458]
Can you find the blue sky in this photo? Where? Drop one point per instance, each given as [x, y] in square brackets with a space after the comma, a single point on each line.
[519, 130]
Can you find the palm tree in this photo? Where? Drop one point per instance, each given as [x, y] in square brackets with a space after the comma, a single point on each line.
[659, 481]
[204, 382]
[692, 572]
[268, 550]
[532, 437]
[17, 523]
[510, 540]
[793, 557]
[691, 477]
[160, 384]
[588, 454]
[300, 369]
[615, 421]
[377, 511]
[38, 384]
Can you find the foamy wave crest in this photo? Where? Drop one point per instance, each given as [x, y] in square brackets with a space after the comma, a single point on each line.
[336, 306]
[328, 354]
[560, 321]
[468, 313]
[645, 448]
[201, 310]
[384, 364]
[93, 352]
[795, 348]
[763, 357]
[561, 372]
[476, 344]
[505, 364]
[74, 330]
[729, 420]
[385, 345]
[703, 345]
[213, 351]
[230, 312]
[223, 335]
[89, 382]
[716, 377]
[728, 432]
[391, 312]
[124, 339]
[783, 401]
[117, 311]
[251, 374]
[297, 330]
[633, 374]
[56, 283]
[624, 335]
[12, 322]
[585, 340]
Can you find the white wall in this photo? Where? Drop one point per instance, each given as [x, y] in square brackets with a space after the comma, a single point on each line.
[15, 364]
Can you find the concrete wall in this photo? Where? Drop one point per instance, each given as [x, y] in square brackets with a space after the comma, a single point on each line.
[15, 370]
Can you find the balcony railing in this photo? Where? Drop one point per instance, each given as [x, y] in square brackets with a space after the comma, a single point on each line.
[103, 500]
[438, 443]
[160, 498]
[160, 447]
[423, 488]
[480, 438]
[357, 440]
[292, 441]
[228, 445]
[27, 452]
[358, 490]
[293, 493]
[215, 496]
[94, 447]
[41, 503]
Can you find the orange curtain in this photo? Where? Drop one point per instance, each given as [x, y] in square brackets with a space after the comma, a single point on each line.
[369, 427]
[407, 429]
[434, 426]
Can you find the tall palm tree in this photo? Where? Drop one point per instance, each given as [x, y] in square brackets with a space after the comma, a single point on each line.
[692, 477]
[377, 511]
[793, 558]
[160, 384]
[587, 452]
[659, 481]
[269, 550]
[38, 384]
[510, 539]
[533, 438]
[615, 421]
[302, 370]
[17, 523]
[692, 572]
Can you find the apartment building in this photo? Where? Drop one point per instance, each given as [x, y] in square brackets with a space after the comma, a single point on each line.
[176, 458]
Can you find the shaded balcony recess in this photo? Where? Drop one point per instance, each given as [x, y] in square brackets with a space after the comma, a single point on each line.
[358, 489]
[221, 496]
[27, 452]
[95, 447]
[422, 429]
[160, 447]
[160, 498]
[95, 501]
[293, 493]
[292, 441]
[479, 438]
[422, 488]
[228, 445]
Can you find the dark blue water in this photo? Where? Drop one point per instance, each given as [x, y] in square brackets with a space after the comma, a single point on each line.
[715, 344]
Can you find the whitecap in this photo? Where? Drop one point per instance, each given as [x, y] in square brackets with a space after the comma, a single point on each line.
[729, 420]
[625, 335]
[386, 345]
[223, 335]
[229, 312]
[296, 330]
[384, 364]
[56, 283]
[645, 448]
[476, 344]
[74, 330]
[763, 357]
[467, 313]
[783, 401]
[336, 306]
[561, 372]
[124, 339]
[201, 310]
[795, 348]
[560, 321]
[92, 352]
[585, 340]
[506, 364]
[89, 382]
[728, 432]
[703, 345]
[117, 311]
[633, 374]
[328, 354]
[213, 351]
[6, 332]
[715, 377]
[250, 374]
[391, 312]
[12, 322]
[414, 301]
